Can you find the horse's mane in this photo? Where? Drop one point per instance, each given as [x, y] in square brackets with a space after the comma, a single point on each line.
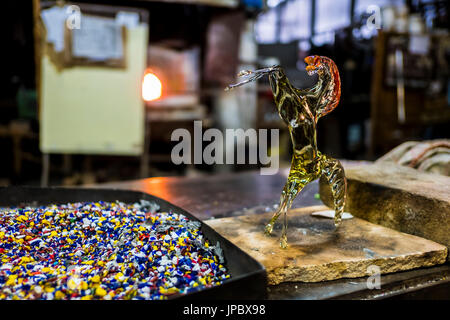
[334, 81]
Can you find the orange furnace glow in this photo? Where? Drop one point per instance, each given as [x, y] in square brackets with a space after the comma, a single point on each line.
[151, 87]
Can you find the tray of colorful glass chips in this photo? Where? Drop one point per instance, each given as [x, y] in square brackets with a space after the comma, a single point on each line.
[92, 244]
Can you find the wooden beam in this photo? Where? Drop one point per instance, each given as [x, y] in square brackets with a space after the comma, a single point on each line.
[37, 30]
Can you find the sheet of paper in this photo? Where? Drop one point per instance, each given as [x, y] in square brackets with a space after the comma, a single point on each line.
[98, 39]
[127, 19]
[54, 19]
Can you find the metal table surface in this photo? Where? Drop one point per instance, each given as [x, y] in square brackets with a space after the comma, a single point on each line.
[232, 194]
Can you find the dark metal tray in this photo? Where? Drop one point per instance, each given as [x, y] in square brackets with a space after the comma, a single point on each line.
[248, 277]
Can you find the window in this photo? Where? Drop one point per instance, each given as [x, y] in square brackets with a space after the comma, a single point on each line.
[289, 20]
[332, 15]
[266, 27]
[362, 5]
[295, 22]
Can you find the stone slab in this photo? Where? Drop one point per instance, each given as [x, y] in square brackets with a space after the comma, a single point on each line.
[400, 198]
[317, 251]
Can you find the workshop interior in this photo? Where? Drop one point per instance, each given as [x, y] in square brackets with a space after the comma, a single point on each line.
[225, 149]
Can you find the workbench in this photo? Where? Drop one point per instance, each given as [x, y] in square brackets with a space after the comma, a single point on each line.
[235, 194]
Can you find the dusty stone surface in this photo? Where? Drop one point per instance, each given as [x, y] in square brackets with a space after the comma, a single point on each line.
[400, 198]
[317, 251]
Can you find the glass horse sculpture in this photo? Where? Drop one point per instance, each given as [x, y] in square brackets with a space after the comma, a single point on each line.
[300, 109]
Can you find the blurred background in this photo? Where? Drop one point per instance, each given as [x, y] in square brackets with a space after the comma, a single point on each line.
[91, 91]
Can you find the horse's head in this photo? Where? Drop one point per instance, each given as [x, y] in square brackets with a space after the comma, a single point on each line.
[316, 64]
[329, 82]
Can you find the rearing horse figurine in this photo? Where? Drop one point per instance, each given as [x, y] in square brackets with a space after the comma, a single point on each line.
[300, 109]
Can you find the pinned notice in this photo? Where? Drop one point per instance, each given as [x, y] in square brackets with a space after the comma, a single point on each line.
[98, 39]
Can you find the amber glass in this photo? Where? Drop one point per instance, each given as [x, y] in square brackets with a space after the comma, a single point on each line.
[300, 109]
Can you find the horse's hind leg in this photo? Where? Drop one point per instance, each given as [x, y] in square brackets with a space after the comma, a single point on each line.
[335, 176]
[283, 202]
